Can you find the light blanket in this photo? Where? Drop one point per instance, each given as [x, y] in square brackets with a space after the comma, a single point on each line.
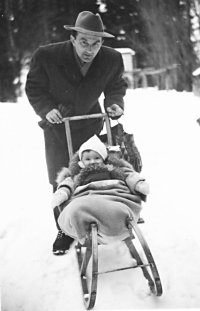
[109, 212]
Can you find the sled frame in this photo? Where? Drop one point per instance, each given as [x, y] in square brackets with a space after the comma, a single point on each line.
[89, 251]
[90, 116]
[145, 262]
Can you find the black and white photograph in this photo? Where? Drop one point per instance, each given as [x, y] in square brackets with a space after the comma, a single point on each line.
[99, 155]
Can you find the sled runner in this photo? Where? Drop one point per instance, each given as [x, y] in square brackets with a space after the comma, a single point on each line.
[133, 238]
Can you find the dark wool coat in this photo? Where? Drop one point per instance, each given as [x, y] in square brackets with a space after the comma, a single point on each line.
[55, 81]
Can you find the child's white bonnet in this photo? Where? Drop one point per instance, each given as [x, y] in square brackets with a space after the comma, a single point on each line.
[95, 144]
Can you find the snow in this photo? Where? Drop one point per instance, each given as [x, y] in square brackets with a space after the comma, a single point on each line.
[33, 279]
[196, 72]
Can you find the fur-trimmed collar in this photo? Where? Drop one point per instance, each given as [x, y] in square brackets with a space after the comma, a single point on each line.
[112, 164]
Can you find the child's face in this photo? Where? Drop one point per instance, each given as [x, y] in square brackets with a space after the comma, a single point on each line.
[91, 157]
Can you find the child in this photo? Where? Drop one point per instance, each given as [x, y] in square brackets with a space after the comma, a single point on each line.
[98, 187]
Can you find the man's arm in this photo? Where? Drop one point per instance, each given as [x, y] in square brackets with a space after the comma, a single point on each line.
[37, 86]
[115, 90]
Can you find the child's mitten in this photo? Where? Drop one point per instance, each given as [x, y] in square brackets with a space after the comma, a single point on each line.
[143, 187]
[60, 196]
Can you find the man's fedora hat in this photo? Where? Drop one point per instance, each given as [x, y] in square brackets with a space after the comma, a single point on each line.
[90, 24]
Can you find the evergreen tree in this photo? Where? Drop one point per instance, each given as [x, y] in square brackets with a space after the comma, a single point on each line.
[159, 31]
[24, 26]
[124, 21]
[9, 61]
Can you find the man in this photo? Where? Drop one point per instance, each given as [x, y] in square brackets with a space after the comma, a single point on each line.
[67, 79]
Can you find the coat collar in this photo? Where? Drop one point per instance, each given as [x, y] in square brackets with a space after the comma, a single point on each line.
[66, 59]
[66, 54]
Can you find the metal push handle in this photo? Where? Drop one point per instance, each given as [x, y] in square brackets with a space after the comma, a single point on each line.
[89, 116]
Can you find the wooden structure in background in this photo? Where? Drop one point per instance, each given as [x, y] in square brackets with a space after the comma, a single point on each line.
[141, 80]
[129, 60]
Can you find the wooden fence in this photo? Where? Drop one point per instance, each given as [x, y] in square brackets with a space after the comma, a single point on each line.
[140, 76]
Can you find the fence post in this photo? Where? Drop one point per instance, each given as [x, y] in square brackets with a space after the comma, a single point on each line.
[144, 80]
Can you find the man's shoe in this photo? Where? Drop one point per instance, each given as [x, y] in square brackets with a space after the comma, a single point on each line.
[62, 243]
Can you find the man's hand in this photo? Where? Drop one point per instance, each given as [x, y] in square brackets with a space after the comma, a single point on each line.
[54, 116]
[114, 111]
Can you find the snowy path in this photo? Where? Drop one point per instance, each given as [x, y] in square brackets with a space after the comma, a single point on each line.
[168, 137]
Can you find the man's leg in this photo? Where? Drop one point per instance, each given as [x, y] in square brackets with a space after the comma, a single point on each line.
[62, 242]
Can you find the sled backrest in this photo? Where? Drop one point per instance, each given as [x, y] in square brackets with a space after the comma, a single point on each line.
[90, 116]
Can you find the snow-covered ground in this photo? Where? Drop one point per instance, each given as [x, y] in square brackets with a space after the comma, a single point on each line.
[33, 279]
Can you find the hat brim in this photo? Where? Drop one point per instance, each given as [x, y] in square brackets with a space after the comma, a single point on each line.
[89, 32]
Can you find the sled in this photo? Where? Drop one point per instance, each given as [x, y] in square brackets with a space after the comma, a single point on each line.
[135, 241]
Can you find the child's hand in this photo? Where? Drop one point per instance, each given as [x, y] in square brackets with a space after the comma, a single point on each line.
[59, 197]
[142, 187]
